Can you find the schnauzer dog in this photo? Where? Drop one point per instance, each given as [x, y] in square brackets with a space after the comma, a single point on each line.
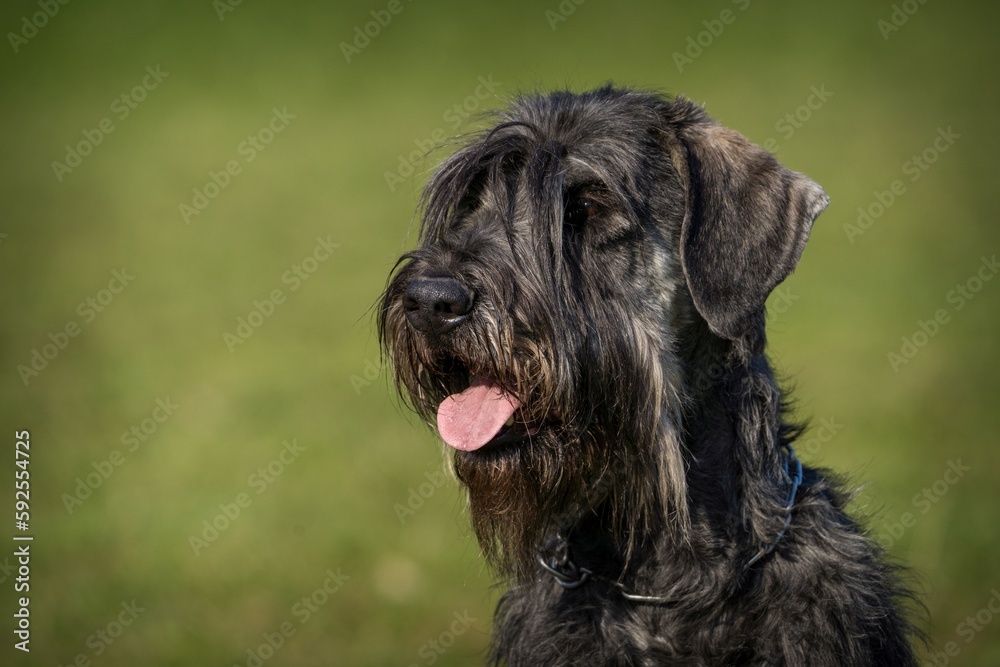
[583, 319]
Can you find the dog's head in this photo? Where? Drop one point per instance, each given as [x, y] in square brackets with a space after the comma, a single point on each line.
[565, 256]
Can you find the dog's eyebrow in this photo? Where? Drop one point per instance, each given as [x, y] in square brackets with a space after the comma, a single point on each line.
[579, 172]
[574, 186]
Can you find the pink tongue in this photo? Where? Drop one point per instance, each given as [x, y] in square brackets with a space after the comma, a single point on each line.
[469, 420]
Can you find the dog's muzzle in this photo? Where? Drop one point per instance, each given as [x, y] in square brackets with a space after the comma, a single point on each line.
[437, 305]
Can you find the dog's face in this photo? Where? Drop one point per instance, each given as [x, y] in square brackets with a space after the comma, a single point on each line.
[540, 324]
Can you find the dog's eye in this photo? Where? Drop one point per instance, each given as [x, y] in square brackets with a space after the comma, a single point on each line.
[578, 211]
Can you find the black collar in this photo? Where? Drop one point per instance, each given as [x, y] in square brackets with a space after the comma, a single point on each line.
[554, 555]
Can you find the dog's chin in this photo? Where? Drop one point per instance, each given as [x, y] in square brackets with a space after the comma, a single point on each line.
[509, 481]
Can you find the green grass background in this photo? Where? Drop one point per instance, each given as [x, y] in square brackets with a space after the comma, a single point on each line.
[301, 374]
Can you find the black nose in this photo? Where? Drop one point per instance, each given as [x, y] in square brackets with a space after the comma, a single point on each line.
[436, 305]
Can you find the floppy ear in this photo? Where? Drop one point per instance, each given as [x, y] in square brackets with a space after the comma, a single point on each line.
[747, 220]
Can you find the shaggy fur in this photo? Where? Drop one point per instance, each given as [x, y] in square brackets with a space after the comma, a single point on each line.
[604, 258]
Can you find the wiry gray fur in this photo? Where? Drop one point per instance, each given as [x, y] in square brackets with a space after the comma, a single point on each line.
[596, 254]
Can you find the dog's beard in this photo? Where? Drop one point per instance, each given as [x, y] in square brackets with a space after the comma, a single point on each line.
[594, 435]
[552, 483]
[519, 494]
[568, 468]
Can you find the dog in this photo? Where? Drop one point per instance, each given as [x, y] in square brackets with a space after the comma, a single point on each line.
[583, 321]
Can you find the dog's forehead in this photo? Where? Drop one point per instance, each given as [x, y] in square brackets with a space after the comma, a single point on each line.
[613, 139]
[542, 150]
[586, 134]
[576, 117]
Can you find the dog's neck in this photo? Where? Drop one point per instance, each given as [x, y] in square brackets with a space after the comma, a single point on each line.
[737, 468]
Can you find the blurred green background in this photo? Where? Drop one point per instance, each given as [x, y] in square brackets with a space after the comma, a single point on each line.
[355, 502]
